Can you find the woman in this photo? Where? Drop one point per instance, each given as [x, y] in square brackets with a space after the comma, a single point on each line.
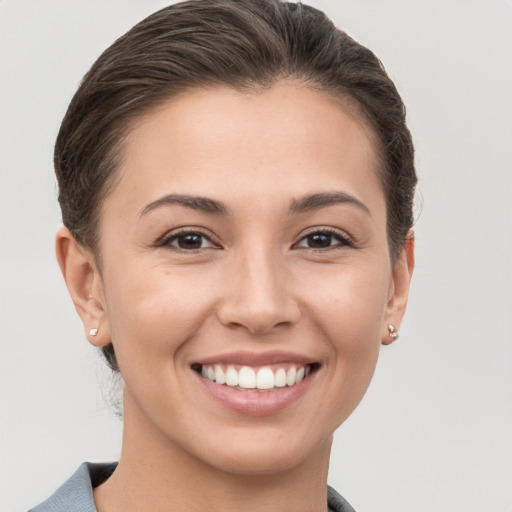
[236, 183]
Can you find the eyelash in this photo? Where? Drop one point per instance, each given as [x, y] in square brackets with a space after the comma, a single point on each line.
[167, 240]
[343, 240]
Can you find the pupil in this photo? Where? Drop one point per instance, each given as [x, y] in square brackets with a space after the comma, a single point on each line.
[319, 240]
[190, 241]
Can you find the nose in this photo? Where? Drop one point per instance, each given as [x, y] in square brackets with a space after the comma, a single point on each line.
[259, 297]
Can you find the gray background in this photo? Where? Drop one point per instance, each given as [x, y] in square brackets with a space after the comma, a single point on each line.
[434, 432]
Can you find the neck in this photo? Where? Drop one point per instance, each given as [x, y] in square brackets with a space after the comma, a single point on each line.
[157, 474]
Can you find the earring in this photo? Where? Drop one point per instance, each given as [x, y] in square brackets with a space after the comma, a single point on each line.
[393, 333]
[93, 332]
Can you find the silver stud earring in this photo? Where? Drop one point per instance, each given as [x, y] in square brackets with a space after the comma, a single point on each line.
[93, 332]
[393, 333]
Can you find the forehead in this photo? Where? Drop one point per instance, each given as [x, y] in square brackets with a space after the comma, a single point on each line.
[285, 139]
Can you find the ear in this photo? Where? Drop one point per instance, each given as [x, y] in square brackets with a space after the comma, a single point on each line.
[399, 289]
[85, 286]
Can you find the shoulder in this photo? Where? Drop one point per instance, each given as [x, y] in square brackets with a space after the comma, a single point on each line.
[75, 495]
[336, 502]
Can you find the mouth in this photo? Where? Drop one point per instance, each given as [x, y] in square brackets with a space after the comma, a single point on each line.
[256, 384]
[261, 378]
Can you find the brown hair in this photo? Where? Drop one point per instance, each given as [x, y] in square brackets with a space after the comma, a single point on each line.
[240, 43]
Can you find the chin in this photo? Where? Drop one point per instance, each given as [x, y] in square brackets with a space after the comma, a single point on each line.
[265, 455]
[249, 463]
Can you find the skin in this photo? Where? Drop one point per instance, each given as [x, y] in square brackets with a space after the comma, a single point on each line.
[256, 286]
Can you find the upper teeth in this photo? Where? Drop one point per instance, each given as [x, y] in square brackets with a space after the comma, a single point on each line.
[249, 378]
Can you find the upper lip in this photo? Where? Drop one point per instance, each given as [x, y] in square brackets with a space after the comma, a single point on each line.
[256, 359]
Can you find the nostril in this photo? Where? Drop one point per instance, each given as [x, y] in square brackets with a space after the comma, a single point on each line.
[257, 323]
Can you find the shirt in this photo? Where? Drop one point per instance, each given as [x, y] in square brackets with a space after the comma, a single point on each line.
[75, 495]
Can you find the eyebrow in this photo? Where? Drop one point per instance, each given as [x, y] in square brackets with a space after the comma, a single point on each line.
[203, 204]
[212, 206]
[321, 200]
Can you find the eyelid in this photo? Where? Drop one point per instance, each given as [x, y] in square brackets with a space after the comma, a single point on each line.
[173, 234]
[342, 236]
[346, 240]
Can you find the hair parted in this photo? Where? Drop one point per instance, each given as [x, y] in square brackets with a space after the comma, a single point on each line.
[245, 44]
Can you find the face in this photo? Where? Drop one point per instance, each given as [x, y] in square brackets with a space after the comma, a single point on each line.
[246, 242]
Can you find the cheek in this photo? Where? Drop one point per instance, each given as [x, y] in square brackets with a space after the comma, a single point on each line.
[348, 306]
[153, 313]
[350, 301]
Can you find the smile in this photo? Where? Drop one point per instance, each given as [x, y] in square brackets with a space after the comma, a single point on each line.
[263, 378]
[256, 384]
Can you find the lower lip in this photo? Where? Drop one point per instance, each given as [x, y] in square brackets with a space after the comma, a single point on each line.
[254, 402]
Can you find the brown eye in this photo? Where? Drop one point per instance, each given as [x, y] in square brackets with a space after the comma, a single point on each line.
[319, 240]
[188, 241]
[324, 240]
[192, 241]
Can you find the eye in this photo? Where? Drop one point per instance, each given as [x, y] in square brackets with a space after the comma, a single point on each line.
[188, 241]
[324, 239]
